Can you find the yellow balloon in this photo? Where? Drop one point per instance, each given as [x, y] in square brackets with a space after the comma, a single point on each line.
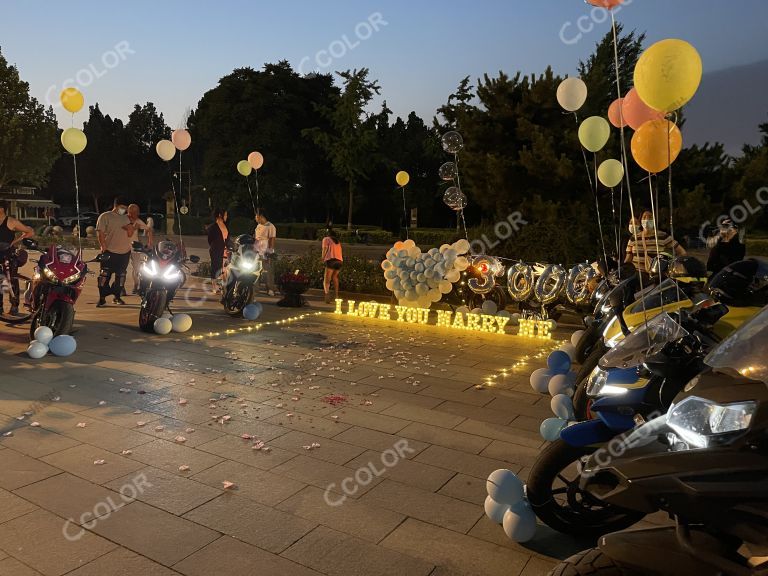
[166, 150]
[72, 99]
[668, 74]
[594, 133]
[656, 144]
[610, 173]
[73, 140]
[244, 168]
[402, 178]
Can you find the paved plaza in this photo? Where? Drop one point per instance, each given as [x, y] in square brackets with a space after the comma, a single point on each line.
[324, 445]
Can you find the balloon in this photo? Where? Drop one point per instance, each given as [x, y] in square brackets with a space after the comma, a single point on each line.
[452, 142]
[607, 4]
[504, 314]
[166, 150]
[256, 160]
[244, 168]
[489, 307]
[615, 113]
[402, 178]
[594, 133]
[571, 94]
[163, 326]
[252, 311]
[505, 487]
[181, 139]
[43, 335]
[73, 140]
[37, 349]
[668, 74]
[561, 384]
[495, 510]
[520, 522]
[636, 112]
[62, 345]
[445, 286]
[562, 406]
[408, 244]
[477, 311]
[610, 172]
[559, 362]
[540, 379]
[455, 198]
[551, 427]
[448, 171]
[576, 336]
[462, 310]
[181, 322]
[461, 246]
[72, 99]
[515, 319]
[569, 349]
[656, 144]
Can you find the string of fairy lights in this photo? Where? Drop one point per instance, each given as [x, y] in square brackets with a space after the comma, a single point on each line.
[252, 328]
[507, 371]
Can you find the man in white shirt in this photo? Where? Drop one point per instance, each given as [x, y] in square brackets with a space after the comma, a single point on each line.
[265, 236]
[137, 258]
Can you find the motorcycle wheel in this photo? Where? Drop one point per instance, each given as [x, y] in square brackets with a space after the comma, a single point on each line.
[24, 284]
[240, 296]
[152, 307]
[592, 562]
[581, 401]
[59, 318]
[586, 343]
[554, 494]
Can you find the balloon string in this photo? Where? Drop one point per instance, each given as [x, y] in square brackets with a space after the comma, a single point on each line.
[597, 207]
[460, 216]
[77, 207]
[256, 181]
[405, 214]
[250, 194]
[176, 202]
[655, 219]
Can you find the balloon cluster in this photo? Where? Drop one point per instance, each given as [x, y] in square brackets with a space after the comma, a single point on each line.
[180, 140]
[507, 505]
[73, 139]
[453, 197]
[254, 162]
[176, 323]
[44, 342]
[418, 278]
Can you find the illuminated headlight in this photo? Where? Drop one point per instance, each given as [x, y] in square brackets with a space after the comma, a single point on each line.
[247, 265]
[171, 273]
[597, 381]
[701, 423]
[149, 269]
[73, 278]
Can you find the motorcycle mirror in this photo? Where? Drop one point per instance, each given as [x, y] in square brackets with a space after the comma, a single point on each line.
[194, 259]
[138, 246]
[29, 243]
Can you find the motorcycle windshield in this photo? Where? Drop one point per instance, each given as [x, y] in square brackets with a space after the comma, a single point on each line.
[744, 351]
[645, 341]
[666, 293]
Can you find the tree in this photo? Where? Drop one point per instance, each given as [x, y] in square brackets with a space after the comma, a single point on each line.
[28, 140]
[150, 179]
[351, 143]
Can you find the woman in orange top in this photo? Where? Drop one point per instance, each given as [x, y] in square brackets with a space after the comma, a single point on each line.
[333, 260]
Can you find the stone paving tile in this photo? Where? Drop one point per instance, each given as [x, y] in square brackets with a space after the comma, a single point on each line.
[346, 515]
[37, 539]
[169, 456]
[329, 450]
[37, 442]
[166, 491]
[521, 455]
[12, 567]
[470, 396]
[251, 522]
[453, 551]
[240, 450]
[382, 423]
[448, 438]
[229, 557]
[17, 470]
[308, 423]
[379, 441]
[409, 397]
[337, 554]
[427, 506]
[122, 562]
[423, 415]
[194, 434]
[467, 488]
[80, 462]
[11, 506]
[470, 464]
[120, 415]
[259, 485]
[391, 466]
[323, 475]
[505, 433]
[476, 412]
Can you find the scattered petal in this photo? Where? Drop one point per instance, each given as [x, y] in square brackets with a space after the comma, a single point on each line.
[180, 439]
[126, 452]
[227, 485]
[8, 434]
[189, 430]
[182, 401]
[99, 462]
[35, 424]
[102, 402]
[81, 424]
[159, 428]
[183, 468]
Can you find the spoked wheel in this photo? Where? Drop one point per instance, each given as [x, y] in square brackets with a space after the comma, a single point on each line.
[152, 307]
[24, 315]
[239, 298]
[554, 493]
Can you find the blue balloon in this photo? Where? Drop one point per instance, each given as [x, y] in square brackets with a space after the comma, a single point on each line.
[551, 427]
[252, 311]
[559, 362]
[63, 345]
[562, 406]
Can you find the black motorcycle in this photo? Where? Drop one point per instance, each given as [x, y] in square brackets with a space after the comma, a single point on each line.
[240, 275]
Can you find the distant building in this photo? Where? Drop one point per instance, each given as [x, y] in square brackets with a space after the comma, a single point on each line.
[27, 205]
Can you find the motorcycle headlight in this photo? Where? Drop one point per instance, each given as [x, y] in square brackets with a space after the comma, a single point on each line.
[171, 273]
[702, 423]
[72, 279]
[247, 265]
[597, 381]
[149, 269]
[50, 275]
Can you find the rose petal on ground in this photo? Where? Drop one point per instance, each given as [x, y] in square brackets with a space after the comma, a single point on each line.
[227, 484]
[126, 452]
[99, 462]
[159, 428]
[183, 468]
[180, 439]
[81, 424]
[182, 401]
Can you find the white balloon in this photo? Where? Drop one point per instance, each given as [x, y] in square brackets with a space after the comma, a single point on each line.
[503, 314]
[411, 295]
[44, 335]
[37, 349]
[562, 407]
[495, 510]
[461, 246]
[420, 278]
[408, 244]
[386, 265]
[540, 380]
[445, 286]
[504, 486]
[462, 310]
[515, 319]
[461, 263]
[62, 345]
[444, 247]
[489, 307]
[572, 93]
[576, 336]
[561, 384]
[181, 322]
[569, 349]
[453, 276]
[419, 267]
[450, 254]
[163, 326]
[520, 522]
[421, 289]
[477, 310]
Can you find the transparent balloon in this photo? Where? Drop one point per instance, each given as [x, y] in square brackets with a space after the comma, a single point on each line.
[452, 142]
[448, 171]
[455, 198]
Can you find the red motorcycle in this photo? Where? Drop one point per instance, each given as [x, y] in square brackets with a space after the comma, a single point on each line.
[56, 285]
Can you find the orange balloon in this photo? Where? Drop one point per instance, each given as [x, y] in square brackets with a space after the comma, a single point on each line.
[656, 144]
[607, 4]
[636, 112]
[615, 114]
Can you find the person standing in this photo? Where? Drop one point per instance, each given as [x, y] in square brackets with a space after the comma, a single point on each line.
[333, 260]
[150, 226]
[650, 243]
[265, 235]
[217, 243]
[114, 230]
[729, 248]
[138, 258]
[13, 231]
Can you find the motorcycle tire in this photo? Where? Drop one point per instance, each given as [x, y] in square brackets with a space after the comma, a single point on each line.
[592, 562]
[152, 307]
[240, 296]
[59, 318]
[576, 512]
[24, 284]
[587, 343]
[581, 401]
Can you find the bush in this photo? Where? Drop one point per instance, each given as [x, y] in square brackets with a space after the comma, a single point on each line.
[757, 247]
[365, 236]
[357, 275]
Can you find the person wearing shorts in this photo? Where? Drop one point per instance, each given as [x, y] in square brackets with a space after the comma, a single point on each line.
[333, 259]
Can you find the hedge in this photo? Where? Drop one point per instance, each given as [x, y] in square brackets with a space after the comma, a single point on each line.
[757, 247]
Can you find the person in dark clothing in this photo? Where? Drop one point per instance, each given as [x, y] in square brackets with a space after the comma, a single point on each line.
[729, 248]
[217, 241]
[12, 231]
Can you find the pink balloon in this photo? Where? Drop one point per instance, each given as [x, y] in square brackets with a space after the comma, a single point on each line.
[607, 4]
[181, 139]
[256, 160]
[615, 114]
[636, 112]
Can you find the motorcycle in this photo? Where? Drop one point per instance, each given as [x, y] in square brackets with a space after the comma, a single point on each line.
[705, 463]
[159, 279]
[13, 287]
[56, 285]
[241, 274]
